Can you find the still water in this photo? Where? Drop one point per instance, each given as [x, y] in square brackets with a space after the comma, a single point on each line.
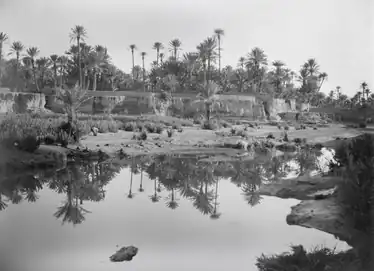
[182, 215]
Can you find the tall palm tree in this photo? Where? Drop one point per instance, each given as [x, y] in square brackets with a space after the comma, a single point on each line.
[338, 92]
[3, 39]
[143, 54]
[53, 59]
[17, 48]
[312, 66]
[133, 48]
[257, 62]
[78, 33]
[97, 63]
[241, 62]
[210, 48]
[43, 70]
[32, 53]
[219, 33]
[162, 55]
[172, 203]
[63, 62]
[175, 45]
[363, 86]
[158, 46]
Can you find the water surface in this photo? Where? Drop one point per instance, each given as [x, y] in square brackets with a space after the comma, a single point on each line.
[181, 214]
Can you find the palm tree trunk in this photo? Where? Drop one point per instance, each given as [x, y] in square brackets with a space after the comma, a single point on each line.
[219, 55]
[133, 64]
[175, 53]
[209, 75]
[94, 84]
[207, 107]
[143, 74]
[79, 62]
[55, 75]
[61, 76]
[1, 54]
[34, 75]
[158, 55]
[17, 67]
[320, 85]
[72, 115]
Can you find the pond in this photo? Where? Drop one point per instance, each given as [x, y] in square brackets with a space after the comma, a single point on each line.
[182, 214]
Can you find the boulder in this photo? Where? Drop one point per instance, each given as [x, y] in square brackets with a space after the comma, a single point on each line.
[124, 254]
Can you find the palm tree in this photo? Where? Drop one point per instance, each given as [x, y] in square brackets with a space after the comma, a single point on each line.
[54, 61]
[338, 92]
[175, 45]
[219, 33]
[158, 46]
[3, 39]
[133, 48]
[312, 66]
[209, 46]
[43, 70]
[257, 62]
[17, 48]
[162, 55]
[72, 99]
[97, 62]
[143, 54]
[241, 62]
[364, 86]
[63, 62]
[78, 34]
[209, 96]
[32, 53]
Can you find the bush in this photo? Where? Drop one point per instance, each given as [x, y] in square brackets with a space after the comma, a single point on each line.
[30, 143]
[355, 159]
[270, 136]
[286, 128]
[362, 125]
[224, 124]
[317, 259]
[176, 126]
[130, 126]
[170, 132]
[209, 125]
[141, 136]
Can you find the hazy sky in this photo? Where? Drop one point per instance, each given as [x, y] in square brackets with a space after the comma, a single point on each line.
[338, 33]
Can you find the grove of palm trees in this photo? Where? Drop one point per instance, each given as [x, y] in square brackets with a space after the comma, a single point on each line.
[171, 69]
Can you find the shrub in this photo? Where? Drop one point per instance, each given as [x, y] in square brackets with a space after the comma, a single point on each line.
[176, 126]
[362, 125]
[317, 259]
[170, 132]
[224, 124]
[286, 128]
[356, 159]
[285, 137]
[279, 127]
[130, 126]
[270, 136]
[159, 128]
[30, 143]
[143, 135]
[209, 125]
[198, 121]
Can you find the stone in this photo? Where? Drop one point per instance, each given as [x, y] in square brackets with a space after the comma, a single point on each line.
[124, 254]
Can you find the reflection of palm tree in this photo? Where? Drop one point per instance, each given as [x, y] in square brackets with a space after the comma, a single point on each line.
[16, 197]
[172, 203]
[202, 201]
[155, 197]
[31, 196]
[131, 195]
[215, 214]
[3, 205]
[141, 181]
[71, 212]
[159, 187]
[250, 194]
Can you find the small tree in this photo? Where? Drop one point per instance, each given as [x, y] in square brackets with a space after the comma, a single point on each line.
[209, 95]
[72, 99]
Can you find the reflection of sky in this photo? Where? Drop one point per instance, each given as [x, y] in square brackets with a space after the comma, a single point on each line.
[183, 239]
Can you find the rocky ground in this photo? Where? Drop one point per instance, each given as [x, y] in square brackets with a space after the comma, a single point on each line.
[198, 140]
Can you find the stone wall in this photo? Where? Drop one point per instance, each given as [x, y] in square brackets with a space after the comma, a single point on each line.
[232, 105]
[19, 102]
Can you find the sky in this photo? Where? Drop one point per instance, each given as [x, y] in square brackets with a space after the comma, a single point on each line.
[339, 34]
